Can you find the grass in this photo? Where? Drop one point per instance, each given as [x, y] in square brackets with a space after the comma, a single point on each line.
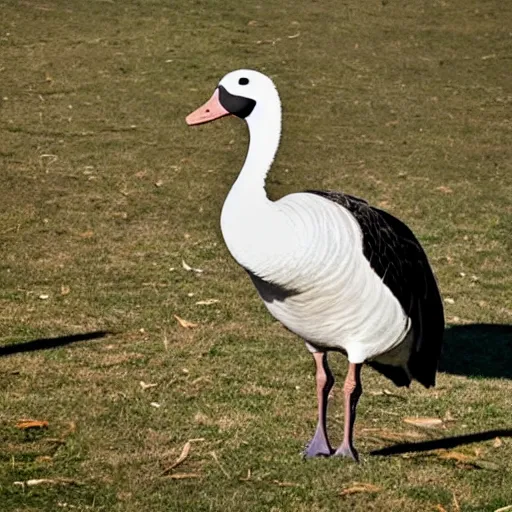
[106, 191]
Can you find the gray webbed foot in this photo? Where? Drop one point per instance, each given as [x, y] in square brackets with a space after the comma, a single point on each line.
[318, 447]
[347, 451]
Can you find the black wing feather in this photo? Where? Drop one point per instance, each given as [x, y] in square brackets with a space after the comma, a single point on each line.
[397, 257]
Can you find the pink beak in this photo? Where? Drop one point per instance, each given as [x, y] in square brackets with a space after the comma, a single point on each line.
[210, 111]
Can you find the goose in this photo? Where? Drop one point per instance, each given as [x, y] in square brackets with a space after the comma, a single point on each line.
[342, 275]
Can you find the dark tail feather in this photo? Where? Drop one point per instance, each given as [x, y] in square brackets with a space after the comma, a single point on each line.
[425, 356]
[423, 364]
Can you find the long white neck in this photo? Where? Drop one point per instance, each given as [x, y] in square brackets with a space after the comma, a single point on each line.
[264, 135]
[248, 217]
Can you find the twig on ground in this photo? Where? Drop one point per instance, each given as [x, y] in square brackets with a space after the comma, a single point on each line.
[184, 454]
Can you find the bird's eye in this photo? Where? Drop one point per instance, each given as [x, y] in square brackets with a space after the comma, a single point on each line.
[243, 81]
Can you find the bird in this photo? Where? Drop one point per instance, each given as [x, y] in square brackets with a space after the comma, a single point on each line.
[341, 274]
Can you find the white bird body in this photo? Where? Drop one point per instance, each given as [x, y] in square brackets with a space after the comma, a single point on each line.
[309, 244]
[334, 270]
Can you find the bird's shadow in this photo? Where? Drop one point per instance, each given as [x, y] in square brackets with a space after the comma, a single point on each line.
[48, 343]
[444, 443]
[475, 350]
[478, 350]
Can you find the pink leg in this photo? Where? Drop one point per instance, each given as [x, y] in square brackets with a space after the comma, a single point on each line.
[352, 391]
[319, 445]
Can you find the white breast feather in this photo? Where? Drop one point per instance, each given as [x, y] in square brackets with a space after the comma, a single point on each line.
[307, 243]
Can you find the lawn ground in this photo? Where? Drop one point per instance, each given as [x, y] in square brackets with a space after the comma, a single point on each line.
[106, 192]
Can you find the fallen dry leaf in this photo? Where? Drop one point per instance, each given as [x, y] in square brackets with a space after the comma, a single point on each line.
[269, 41]
[71, 428]
[445, 190]
[497, 443]
[188, 268]
[184, 454]
[456, 506]
[145, 385]
[207, 302]
[48, 481]
[425, 422]
[448, 416]
[201, 379]
[185, 323]
[182, 476]
[468, 461]
[360, 487]
[286, 484]
[457, 456]
[440, 508]
[504, 509]
[26, 424]
[247, 478]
